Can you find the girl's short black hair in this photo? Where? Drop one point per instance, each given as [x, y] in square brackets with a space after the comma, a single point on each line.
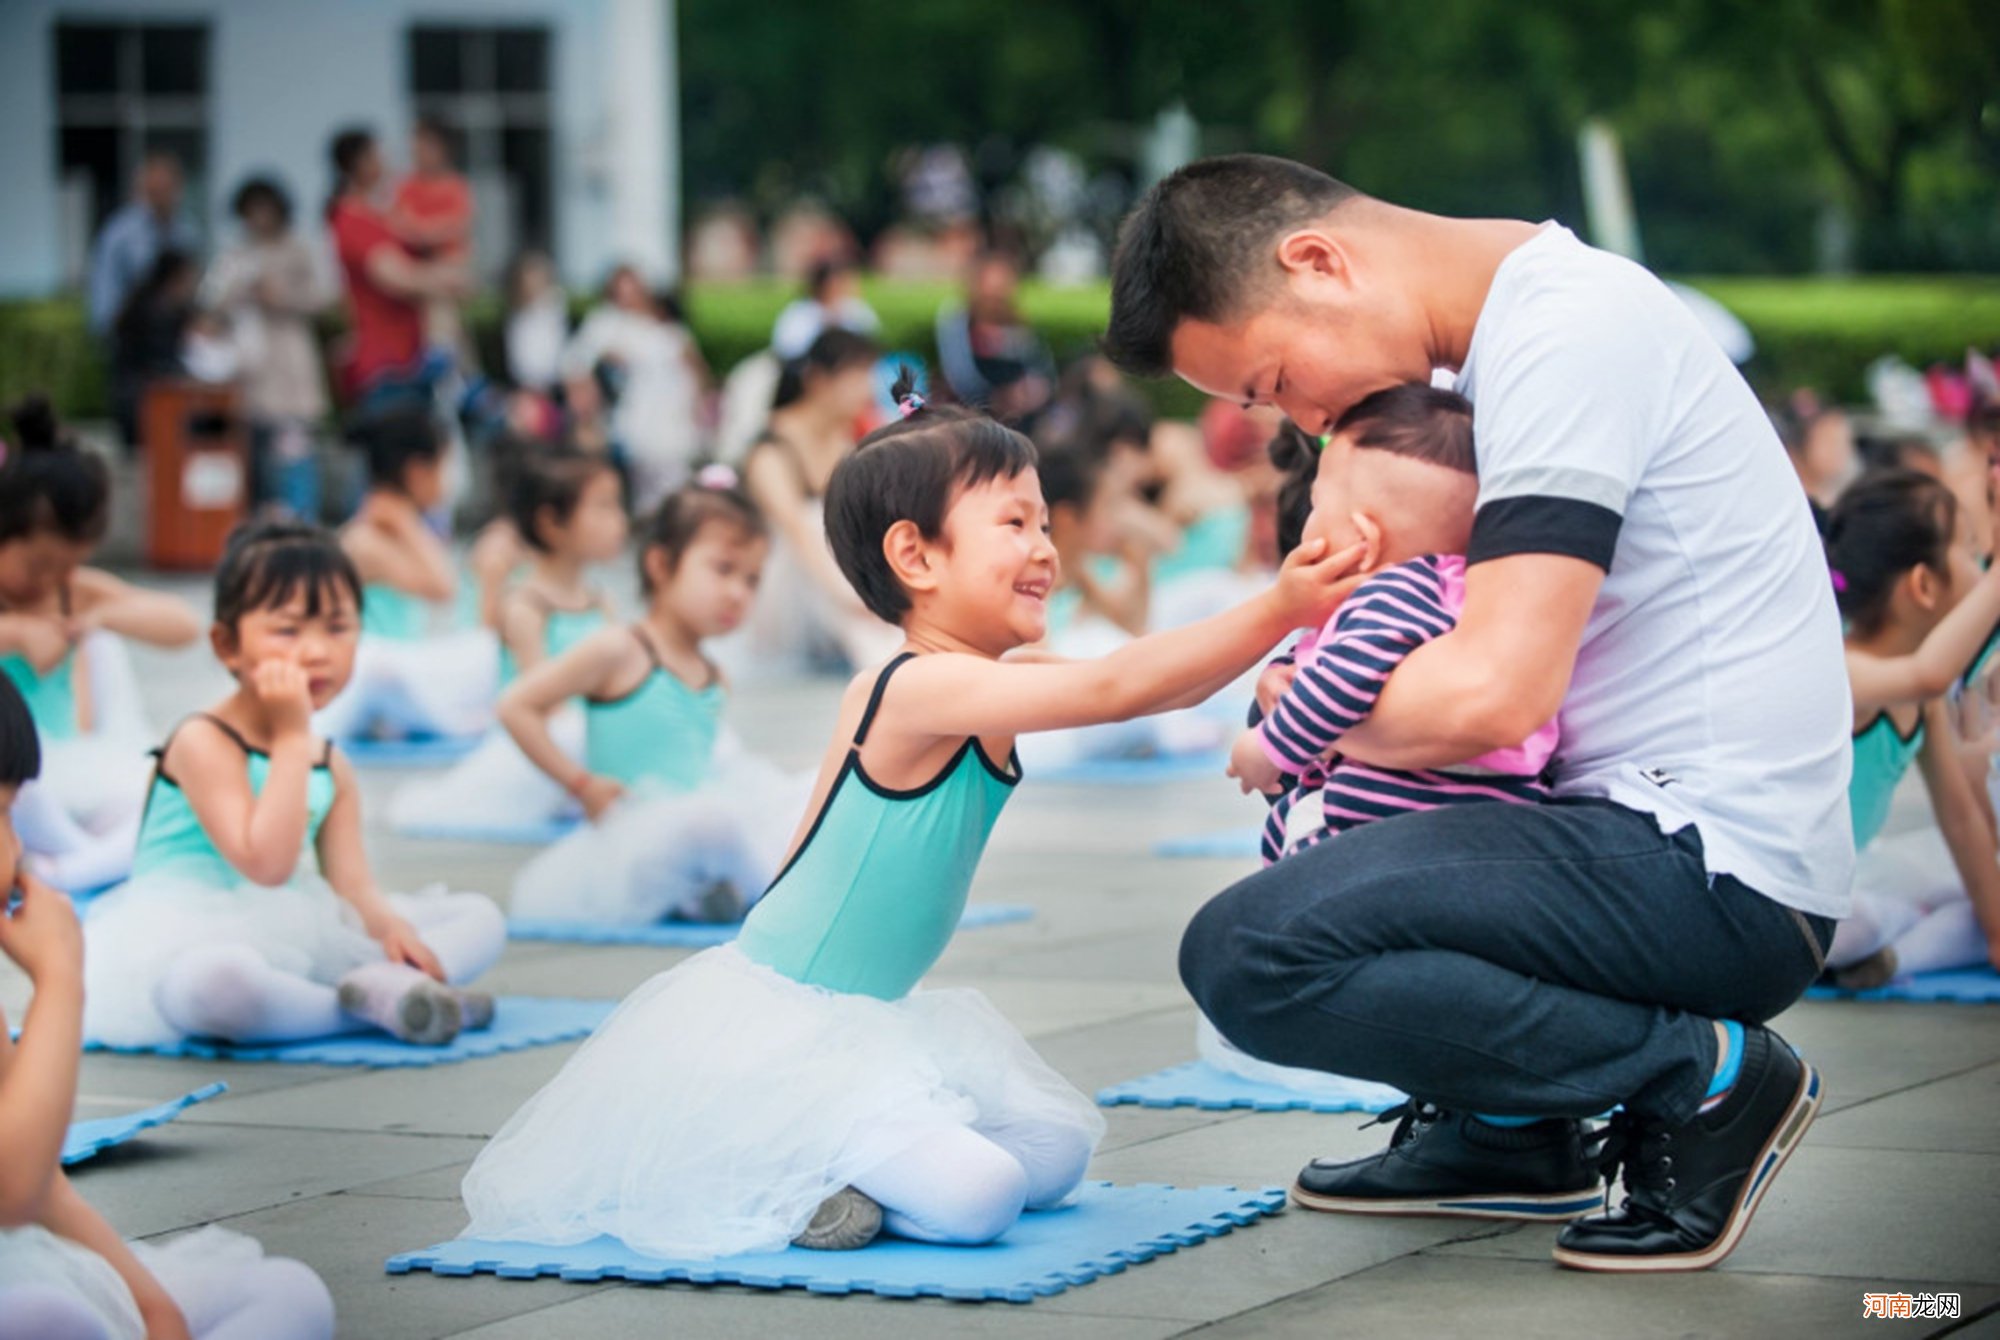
[911, 470]
[20, 745]
[835, 350]
[683, 513]
[1885, 524]
[394, 438]
[549, 479]
[266, 563]
[48, 483]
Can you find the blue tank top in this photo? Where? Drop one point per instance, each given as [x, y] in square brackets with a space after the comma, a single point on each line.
[172, 840]
[1881, 758]
[51, 697]
[871, 898]
[662, 731]
[561, 630]
[396, 615]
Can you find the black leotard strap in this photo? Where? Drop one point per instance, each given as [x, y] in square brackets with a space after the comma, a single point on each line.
[227, 729]
[646, 643]
[875, 698]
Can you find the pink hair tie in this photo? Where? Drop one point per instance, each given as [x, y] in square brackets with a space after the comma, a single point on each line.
[910, 404]
[1839, 581]
[716, 476]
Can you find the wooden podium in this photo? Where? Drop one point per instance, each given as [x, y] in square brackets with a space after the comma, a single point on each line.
[196, 446]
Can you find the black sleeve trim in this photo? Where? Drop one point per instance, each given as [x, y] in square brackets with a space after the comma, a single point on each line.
[1544, 525]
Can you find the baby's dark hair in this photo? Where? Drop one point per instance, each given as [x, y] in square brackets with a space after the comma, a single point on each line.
[48, 483]
[1416, 420]
[266, 563]
[395, 438]
[1886, 523]
[835, 350]
[1295, 454]
[683, 513]
[911, 470]
[20, 746]
[544, 480]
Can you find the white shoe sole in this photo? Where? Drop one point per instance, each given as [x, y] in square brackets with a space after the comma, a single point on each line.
[1534, 1209]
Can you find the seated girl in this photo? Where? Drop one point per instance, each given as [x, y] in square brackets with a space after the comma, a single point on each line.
[797, 1084]
[415, 677]
[568, 508]
[1906, 573]
[66, 1274]
[220, 933]
[61, 631]
[675, 831]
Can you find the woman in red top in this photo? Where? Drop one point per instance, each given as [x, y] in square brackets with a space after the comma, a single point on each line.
[387, 287]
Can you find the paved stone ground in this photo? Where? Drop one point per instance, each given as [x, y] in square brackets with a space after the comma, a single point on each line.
[1895, 1189]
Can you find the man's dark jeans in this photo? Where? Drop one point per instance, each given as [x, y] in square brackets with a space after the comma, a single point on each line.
[1532, 960]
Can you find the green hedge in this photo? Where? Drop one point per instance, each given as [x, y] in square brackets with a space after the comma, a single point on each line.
[1817, 332]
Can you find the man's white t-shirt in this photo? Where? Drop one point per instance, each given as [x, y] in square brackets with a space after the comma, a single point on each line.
[1711, 686]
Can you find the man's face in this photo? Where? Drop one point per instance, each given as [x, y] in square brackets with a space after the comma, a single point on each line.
[1328, 331]
[160, 185]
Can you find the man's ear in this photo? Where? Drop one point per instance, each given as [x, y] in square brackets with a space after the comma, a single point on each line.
[909, 556]
[1309, 252]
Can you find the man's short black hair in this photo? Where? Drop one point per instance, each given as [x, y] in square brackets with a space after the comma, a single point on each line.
[1195, 244]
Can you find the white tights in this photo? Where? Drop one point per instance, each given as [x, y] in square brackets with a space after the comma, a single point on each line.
[963, 1185]
[1908, 896]
[232, 992]
[63, 851]
[274, 1298]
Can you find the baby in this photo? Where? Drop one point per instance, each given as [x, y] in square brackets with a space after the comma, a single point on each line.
[1398, 472]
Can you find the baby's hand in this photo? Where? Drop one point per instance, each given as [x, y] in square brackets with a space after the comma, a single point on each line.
[1312, 583]
[41, 933]
[281, 686]
[598, 794]
[1271, 685]
[1252, 767]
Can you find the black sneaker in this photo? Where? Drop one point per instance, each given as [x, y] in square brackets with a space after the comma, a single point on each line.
[1691, 1188]
[1451, 1163]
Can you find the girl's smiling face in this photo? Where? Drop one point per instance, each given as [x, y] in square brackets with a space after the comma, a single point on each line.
[996, 563]
[320, 636]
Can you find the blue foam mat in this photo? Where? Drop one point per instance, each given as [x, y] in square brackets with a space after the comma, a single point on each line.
[417, 751]
[1199, 1084]
[1106, 1230]
[86, 1139]
[1969, 986]
[535, 833]
[1224, 842]
[518, 1022]
[1137, 771]
[700, 934]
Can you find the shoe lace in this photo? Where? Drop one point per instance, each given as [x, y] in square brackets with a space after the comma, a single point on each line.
[1412, 1116]
[1637, 1152]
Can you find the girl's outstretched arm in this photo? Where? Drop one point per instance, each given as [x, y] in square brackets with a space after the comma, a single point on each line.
[1927, 672]
[1962, 819]
[970, 695]
[153, 617]
[599, 665]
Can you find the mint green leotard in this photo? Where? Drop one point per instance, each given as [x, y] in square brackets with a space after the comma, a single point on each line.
[396, 615]
[871, 898]
[171, 838]
[561, 630]
[1881, 757]
[51, 697]
[662, 731]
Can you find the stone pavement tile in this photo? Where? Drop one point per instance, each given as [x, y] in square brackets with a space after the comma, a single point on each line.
[1865, 1049]
[1449, 1295]
[1961, 1114]
[603, 972]
[346, 1238]
[469, 1099]
[123, 1083]
[196, 1172]
[1137, 953]
[1884, 1217]
[434, 1184]
[1247, 1149]
[1037, 1006]
[1094, 1055]
[647, 1312]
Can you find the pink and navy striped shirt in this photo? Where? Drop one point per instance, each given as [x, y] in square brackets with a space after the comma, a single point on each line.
[1341, 671]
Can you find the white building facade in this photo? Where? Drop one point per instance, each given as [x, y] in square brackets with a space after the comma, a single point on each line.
[563, 115]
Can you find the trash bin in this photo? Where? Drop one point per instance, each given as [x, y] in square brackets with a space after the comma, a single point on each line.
[196, 446]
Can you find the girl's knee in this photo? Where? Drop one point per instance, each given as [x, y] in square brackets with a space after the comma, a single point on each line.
[987, 1201]
[214, 991]
[1061, 1155]
[291, 1289]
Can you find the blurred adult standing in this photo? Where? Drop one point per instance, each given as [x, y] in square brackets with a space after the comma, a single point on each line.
[832, 299]
[135, 235]
[989, 356]
[269, 288]
[646, 362]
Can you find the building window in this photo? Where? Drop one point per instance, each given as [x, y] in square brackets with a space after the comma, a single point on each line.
[489, 88]
[124, 90]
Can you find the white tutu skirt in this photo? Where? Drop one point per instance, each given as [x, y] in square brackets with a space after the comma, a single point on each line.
[722, 1102]
[133, 934]
[493, 785]
[442, 685]
[32, 1255]
[655, 853]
